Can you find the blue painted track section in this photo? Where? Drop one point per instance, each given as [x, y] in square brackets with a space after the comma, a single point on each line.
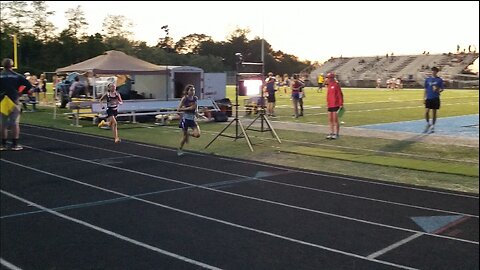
[465, 126]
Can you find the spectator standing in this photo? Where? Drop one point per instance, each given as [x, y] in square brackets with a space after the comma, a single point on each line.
[433, 87]
[334, 103]
[270, 89]
[296, 86]
[10, 83]
[42, 85]
[301, 95]
[321, 81]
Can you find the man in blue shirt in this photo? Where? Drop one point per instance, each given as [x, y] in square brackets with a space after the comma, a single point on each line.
[12, 85]
[433, 87]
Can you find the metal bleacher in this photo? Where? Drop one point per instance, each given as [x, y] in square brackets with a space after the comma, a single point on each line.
[364, 71]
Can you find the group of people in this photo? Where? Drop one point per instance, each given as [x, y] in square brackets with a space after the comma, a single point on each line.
[13, 85]
[39, 86]
[297, 85]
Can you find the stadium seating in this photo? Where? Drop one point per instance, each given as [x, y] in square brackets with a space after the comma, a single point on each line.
[412, 69]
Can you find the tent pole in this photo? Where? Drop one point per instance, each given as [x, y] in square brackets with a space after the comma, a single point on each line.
[167, 79]
[55, 102]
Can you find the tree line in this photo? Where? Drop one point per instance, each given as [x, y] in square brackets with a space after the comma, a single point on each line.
[41, 49]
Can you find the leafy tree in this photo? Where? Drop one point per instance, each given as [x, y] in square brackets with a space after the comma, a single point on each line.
[117, 26]
[119, 43]
[208, 63]
[6, 43]
[68, 53]
[166, 42]
[94, 45]
[77, 24]
[14, 16]
[30, 54]
[38, 52]
[42, 28]
[191, 43]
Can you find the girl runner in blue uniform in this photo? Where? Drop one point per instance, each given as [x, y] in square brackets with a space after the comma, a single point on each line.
[188, 106]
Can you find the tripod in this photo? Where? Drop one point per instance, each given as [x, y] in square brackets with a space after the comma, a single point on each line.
[264, 120]
[238, 123]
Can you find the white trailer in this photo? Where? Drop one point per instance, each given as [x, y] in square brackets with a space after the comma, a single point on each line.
[170, 84]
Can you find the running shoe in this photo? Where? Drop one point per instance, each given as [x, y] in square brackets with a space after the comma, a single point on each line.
[432, 129]
[16, 147]
[427, 128]
[101, 124]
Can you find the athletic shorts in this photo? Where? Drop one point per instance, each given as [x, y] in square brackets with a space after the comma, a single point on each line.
[271, 98]
[112, 112]
[333, 109]
[187, 123]
[12, 119]
[295, 95]
[433, 103]
[320, 84]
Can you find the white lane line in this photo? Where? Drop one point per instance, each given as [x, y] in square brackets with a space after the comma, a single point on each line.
[344, 178]
[207, 218]
[94, 203]
[119, 236]
[269, 181]
[394, 246]
[9, 265]
[221, 184]
[230, 193]
[247, 162]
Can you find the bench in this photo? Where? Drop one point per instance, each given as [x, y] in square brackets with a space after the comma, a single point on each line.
[134, 108]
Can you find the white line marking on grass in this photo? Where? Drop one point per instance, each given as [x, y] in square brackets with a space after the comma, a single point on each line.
[394, 246]
[409, 100]
[377, 151]
[340, 146]
[396, 108]
[351, 179]
[406, 121]
[233, 194]
[273, 182]
[119, 236]
[181, 211]
[9, 265]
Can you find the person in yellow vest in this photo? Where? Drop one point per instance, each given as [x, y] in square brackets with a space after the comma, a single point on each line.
[321, 81]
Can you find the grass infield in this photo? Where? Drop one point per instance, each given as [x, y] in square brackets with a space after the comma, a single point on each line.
[440, 166]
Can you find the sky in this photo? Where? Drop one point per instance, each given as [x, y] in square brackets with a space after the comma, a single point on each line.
[310, 30]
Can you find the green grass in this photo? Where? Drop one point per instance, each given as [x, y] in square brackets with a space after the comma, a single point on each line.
[373, 106]
[385, 160]
[446, 167]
